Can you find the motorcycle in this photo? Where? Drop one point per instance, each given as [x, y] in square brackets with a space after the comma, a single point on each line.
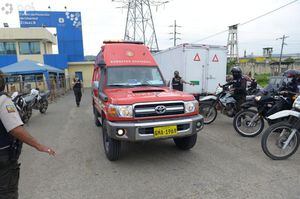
[23, 106]
[39, 100]
[249, 122]
[222, 100]
[281, 140]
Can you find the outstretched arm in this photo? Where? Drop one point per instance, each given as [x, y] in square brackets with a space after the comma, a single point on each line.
[21, 134]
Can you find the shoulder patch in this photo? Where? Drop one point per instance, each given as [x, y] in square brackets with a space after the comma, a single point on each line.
[10, 108]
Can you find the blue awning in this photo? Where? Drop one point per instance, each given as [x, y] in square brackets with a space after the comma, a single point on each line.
[29, 67]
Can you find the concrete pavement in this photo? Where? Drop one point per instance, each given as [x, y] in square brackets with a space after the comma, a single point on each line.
[221, 165]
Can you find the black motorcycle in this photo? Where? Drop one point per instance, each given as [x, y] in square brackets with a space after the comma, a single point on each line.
[39, 100]
[223, 100]
[249, 122]
[23, 106]
[281, 140]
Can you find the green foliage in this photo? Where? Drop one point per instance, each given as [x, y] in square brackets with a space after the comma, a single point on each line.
[231, 64]
[262, 79]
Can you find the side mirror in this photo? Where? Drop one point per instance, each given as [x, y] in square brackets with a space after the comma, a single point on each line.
[103, 97]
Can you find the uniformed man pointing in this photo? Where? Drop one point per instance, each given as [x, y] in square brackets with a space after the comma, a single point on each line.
[12, 135]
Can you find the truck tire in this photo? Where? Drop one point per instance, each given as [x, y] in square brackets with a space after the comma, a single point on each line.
[112, 147]
[96, 115]
[186, 143]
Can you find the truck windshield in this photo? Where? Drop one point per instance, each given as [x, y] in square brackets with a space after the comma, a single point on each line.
[134, 76]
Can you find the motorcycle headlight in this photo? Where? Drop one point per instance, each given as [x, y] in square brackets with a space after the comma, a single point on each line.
[191, 106]
[296, 104]
[123, 111]
[257, 98]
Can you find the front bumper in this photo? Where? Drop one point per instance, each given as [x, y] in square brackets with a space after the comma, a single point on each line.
[143, 130]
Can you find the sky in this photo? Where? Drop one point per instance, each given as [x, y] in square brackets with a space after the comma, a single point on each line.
[103, 20]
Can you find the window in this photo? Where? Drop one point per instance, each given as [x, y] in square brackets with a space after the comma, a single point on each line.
[27, 48]
[134, 76]
[7, 48]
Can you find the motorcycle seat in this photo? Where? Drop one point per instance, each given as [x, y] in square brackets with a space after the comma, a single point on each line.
[29, 98]
[250, 97]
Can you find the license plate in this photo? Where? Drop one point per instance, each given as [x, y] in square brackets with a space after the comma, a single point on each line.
[165, 131]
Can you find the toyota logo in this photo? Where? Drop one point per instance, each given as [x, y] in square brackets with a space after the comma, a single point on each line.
[160, 109]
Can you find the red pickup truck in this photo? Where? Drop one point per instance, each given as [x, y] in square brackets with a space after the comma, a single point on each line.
[132, 102]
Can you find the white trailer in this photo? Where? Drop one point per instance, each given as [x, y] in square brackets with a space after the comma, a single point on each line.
[204, 65]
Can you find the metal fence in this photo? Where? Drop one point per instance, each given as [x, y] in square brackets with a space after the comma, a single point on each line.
[24, 83]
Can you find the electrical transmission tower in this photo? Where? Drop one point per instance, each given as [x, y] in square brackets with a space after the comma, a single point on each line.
[139, 22]
[232, 43]
[175, 33]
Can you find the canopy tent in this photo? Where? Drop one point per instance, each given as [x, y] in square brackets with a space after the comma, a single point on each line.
[28, 67]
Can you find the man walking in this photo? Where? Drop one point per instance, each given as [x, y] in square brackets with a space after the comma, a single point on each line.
[12, 135]
[77, 86]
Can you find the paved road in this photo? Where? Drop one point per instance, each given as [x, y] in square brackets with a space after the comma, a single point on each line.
[221, 165]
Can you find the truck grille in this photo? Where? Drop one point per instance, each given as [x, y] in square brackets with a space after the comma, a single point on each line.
[158, 109]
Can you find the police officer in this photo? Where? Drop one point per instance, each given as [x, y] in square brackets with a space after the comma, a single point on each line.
[77, 86]
[239, 85]
[177, 82]
[12, 135]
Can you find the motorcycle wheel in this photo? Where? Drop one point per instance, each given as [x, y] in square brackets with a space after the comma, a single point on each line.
[44, 106]
[274, 138]
[241, 123]
[209, 112]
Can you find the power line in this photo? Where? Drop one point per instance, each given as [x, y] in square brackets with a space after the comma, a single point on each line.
[251, 20]
[255, 18]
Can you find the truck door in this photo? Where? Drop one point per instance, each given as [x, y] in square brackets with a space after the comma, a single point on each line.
[216, 70]
[196, 61]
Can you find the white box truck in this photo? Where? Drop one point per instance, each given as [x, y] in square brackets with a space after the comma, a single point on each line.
[204, 65]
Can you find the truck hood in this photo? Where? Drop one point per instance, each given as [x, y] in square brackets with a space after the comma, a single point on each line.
[124, 96]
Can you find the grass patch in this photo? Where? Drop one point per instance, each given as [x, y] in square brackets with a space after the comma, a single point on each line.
[262, 79]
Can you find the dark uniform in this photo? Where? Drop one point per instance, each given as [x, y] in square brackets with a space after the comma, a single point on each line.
[177, 83]
[77, 91]
[239, 84]
[10, 149]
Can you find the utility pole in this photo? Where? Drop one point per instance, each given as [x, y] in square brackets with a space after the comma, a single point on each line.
[282, 44]
[175, 33]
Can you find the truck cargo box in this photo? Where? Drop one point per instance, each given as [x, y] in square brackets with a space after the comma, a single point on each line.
[204, 65]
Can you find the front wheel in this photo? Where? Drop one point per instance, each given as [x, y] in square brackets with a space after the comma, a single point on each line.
[209, 112]
[280, 141]
[44, 106]
[186, 143]
[112, 147]
[248, 123]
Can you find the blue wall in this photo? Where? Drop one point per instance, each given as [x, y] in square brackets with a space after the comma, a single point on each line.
[56, 60]
[69, 31]
[7, 60]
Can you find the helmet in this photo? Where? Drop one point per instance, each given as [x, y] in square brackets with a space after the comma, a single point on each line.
[236, 72]
[176, 72]
[2, 81]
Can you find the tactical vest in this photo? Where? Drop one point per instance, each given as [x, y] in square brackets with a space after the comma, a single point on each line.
[5, 138]
[176, 84]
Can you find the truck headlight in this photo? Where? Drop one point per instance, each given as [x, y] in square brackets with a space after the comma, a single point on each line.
[191, 106]
[125, 111]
